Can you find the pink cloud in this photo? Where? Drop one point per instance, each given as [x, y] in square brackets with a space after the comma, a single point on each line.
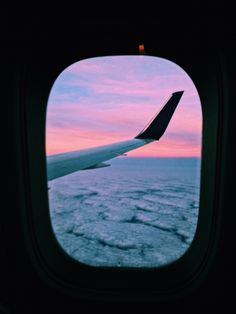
[104, 104]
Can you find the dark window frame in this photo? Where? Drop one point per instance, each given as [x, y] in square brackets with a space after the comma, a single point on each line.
[62, 271]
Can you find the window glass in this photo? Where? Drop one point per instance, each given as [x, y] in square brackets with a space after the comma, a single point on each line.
[142, 210]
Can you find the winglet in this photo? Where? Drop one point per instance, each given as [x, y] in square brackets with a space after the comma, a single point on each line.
[156, 128]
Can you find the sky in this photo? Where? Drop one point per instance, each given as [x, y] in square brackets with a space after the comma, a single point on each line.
[104, 100]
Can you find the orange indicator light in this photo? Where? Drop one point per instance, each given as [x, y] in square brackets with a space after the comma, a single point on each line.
[141, 49]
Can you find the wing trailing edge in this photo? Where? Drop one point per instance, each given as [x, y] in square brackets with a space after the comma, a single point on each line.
[101, 165]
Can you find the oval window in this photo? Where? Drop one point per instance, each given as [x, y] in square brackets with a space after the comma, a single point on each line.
[123, 142]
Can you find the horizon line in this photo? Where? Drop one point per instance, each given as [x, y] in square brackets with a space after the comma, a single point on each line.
[159, 156]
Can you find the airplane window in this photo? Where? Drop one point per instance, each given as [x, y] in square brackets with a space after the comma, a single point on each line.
[123, 142]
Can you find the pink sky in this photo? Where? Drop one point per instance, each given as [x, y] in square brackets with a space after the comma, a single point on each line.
[104, 100]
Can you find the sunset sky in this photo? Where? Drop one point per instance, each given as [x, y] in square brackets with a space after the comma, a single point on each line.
[104, 100]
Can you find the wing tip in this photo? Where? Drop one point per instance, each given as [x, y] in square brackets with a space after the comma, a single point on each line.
[158, 125]
[180, 93]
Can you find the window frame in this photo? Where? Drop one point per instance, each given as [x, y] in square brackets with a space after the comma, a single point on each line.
[55, 266]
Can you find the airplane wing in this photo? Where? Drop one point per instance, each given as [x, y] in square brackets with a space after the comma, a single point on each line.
[63, 164]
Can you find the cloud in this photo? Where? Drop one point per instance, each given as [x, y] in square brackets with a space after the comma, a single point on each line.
[101, 100]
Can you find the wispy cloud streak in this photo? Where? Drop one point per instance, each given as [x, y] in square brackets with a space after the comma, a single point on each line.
[102, 100]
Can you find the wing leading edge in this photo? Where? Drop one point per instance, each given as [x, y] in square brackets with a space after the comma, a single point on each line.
[63, 164]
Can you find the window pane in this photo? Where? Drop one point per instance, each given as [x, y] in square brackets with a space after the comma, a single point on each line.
[142, 210]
